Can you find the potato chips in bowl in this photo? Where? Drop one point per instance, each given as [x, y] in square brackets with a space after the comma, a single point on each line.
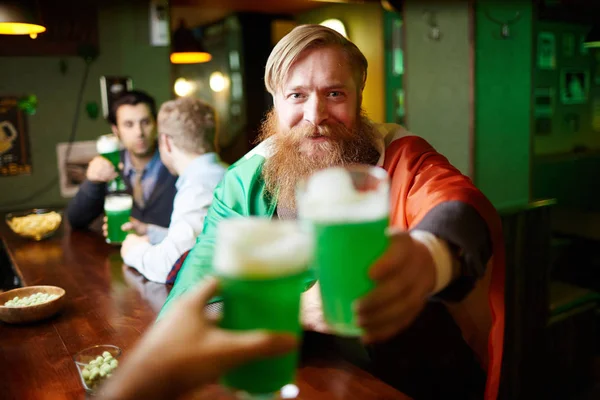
[35, 224]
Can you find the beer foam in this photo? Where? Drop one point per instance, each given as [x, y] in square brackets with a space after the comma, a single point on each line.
[118, 203]
[261, 248]
[330, 196]
[107, 144]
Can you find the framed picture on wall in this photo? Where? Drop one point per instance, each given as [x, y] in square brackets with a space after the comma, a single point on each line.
[574, 86]
[110, 88]
[544, 101]
[546, 49]
[15, 150]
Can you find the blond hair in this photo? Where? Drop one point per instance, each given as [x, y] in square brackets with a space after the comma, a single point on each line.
[305, 37]
[190, 122]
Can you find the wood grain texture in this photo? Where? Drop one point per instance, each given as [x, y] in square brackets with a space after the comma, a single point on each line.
[108, 303]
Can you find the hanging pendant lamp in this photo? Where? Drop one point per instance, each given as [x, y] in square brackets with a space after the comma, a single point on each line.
[187, 49]
[19, 17]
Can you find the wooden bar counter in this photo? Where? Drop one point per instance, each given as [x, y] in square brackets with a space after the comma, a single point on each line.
[108, 303]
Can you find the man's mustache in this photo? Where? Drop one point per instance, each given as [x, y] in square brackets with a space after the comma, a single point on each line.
[307, 132]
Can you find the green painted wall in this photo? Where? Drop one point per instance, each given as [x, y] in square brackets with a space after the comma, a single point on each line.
[503, 95]
[124, 50]
[437, 83]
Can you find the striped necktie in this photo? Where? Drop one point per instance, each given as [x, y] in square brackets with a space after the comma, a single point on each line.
[138, 190]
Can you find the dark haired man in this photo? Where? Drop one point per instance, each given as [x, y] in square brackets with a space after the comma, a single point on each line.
[133, 120]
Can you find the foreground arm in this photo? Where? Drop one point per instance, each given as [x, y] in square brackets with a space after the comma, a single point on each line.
[440, 245]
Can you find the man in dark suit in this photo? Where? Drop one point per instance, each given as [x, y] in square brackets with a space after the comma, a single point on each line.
[133, 120]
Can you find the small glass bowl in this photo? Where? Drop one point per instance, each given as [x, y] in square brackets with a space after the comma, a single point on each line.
[35, 229]
[84, 357]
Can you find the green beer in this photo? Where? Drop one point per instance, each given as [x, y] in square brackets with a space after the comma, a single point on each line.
[272, 304]
[343, 263]
[117, 208]
[348, 210]
[262, 265]
[108, 146]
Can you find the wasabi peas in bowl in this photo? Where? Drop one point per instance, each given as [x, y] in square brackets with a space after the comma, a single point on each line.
[96, 364]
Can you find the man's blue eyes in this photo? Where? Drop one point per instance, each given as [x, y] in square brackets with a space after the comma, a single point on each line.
[330, 94]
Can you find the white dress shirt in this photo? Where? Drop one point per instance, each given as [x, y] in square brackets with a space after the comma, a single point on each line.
[195, 188]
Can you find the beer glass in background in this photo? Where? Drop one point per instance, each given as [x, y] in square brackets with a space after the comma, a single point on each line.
[348, 210]
[117, 209]
[109, 147]
[261, 264]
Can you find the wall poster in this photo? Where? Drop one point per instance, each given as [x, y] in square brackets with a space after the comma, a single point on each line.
[543, 101]
[544, 104]
[574, 86]
[546, 49]
[111, 88]
[15, 153]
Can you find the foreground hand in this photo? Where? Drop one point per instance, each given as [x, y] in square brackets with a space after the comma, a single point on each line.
[135, 225]
[404, 276]
[184, 351]
[312, 310]
[100, 170]
[132, 241]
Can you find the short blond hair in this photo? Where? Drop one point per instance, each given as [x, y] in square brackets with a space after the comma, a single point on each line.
[305, 37]
[190, 122]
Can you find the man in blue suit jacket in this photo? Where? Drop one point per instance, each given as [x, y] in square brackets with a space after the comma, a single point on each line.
[133, 120]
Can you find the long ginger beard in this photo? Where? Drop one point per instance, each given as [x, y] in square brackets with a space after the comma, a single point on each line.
[294, 156]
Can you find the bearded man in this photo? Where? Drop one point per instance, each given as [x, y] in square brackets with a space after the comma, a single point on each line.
[439, 286]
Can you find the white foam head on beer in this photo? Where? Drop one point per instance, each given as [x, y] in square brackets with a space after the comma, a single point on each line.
[107, 144]
[261, 248]
[118, 203]
[331, 196]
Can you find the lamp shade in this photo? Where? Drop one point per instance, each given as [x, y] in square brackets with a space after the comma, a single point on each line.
[187, 49]
[593, 37]
[19, 18]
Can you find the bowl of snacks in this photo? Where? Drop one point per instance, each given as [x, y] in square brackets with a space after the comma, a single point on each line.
[36, 224]
[96, 364]
[30, 304]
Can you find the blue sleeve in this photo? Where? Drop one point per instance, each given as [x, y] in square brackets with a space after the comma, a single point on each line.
[156, 233]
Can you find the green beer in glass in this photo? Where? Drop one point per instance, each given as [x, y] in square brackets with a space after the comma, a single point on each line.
[117, 208]
[262, 267]
[348, 210]
[109, 147]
